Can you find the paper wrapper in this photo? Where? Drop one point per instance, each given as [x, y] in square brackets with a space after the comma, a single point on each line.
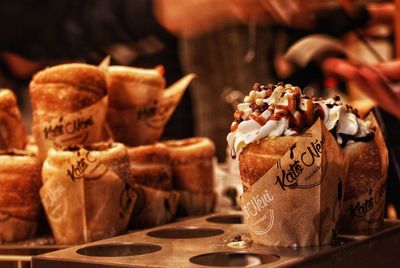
[196, 204]
[15, 229]
[86, 198]
[365, 190]
[297, 202]
[139, 125]
[153, 207]
[81, 127]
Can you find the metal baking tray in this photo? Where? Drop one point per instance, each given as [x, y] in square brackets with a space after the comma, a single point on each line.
[222, 240]
[20, 254]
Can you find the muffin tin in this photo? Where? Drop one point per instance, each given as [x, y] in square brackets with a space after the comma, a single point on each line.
[222, 240]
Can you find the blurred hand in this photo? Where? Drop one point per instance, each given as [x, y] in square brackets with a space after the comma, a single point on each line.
[377, 81]
[193, 17]
[20, 67]
[382, 12]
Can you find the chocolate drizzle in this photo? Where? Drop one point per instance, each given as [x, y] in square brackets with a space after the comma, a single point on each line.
[346, 138]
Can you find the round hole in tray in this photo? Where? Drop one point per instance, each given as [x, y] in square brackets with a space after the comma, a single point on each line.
[185, 232]
[118, 250]
[233, 259]
[226, 219]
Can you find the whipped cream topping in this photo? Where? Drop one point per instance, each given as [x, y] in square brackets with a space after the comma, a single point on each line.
[282, 110]
[344, 123]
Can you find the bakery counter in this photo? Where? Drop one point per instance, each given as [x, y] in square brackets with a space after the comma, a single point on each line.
[222, 240]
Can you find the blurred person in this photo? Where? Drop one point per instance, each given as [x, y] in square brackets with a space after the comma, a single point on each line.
[194, 17]
[380, 82]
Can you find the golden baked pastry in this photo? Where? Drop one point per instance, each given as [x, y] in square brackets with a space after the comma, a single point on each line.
[151, 166]
[257, 158]
[367, 162]
[192, 164]
[12, 131]
[365, 188]
[19, 195]
[66, 88]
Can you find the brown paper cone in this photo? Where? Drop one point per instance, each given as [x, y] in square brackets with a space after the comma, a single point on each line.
[365, 190]
[153, 207]
[19, 195]
[81, 127]
[85, 194]
[297, 201]
[130, 90]
[143, 123]
[105, 63]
